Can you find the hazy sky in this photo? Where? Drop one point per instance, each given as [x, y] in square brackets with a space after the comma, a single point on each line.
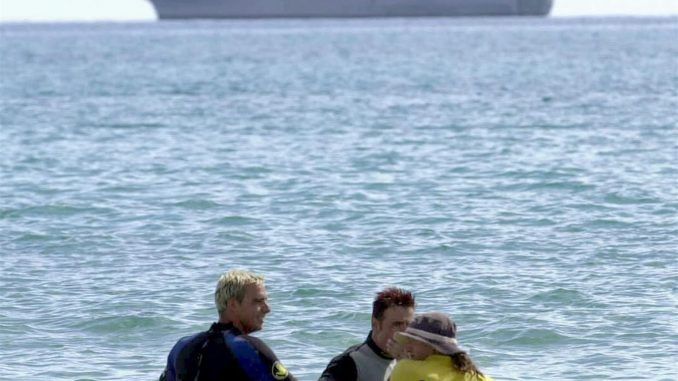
[60, 10]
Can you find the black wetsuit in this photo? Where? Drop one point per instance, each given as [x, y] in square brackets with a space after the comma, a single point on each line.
[362, 362]
[223, 353]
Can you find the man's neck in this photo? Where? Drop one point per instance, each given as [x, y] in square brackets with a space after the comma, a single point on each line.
[376, 347]
[237, 325]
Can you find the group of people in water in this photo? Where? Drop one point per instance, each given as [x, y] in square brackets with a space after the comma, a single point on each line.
[401, 346]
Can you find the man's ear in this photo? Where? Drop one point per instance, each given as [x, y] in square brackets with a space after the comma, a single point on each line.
[375, 324]
[232, 303]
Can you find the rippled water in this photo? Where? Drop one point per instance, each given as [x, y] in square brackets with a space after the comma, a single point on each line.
[519, 174]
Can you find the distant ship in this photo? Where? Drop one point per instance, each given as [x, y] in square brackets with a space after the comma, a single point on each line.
[218, 9]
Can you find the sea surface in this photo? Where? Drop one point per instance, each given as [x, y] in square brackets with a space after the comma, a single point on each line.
[519, 174]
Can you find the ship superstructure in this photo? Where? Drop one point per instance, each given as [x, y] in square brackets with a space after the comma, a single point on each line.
[216, 9]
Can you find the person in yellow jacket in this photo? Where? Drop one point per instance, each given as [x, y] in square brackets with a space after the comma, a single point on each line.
[429, 352]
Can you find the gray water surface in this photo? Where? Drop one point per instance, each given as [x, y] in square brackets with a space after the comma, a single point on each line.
[518, 174]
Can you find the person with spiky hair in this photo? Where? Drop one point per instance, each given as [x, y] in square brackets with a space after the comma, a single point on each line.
[392, 311]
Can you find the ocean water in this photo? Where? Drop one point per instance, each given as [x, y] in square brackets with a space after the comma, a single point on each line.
[518, 174]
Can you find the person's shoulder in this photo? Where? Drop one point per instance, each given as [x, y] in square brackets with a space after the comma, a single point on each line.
[189, 338]
[183, 357]
[345, 356]
[189, 343]
[259, 357]
[342, 367]
[259, 345]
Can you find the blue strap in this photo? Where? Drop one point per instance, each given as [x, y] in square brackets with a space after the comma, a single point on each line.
[248, 357]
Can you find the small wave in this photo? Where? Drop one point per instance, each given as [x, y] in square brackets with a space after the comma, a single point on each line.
[33, 237]
[607, 224]
[196, 204]
[534, 337]
[308, 292]
[127, 126]
[536, 222]
[234, 221]
[236, 236]
[574, 186]
[50, 211]
[619, 199]
[120, 324]
[560, 296]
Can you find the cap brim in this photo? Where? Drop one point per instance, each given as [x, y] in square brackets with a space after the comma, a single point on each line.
[402, 338]
[442, 347]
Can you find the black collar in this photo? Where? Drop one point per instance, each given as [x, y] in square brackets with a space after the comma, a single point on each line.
[224, 327]
[375, 348]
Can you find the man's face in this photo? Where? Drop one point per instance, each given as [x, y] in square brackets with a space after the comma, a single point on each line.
[395, 319]
[251, 311]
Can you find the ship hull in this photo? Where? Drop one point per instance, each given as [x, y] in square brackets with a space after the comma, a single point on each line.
[218, 9]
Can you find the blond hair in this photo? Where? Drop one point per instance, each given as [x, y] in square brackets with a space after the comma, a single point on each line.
[232, 284]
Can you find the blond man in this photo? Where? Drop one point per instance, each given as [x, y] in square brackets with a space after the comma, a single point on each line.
[226, 350]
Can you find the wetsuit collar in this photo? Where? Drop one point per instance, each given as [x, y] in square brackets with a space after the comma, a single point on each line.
[375, 348]
[225, 327]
